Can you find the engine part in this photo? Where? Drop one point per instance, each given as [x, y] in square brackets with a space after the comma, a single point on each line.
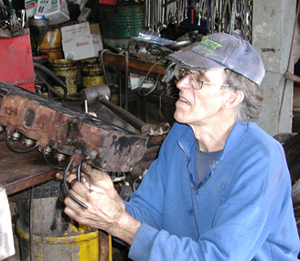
[99, 94]
[68, 131]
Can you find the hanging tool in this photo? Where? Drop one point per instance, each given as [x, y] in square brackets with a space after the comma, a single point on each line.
[223, 15]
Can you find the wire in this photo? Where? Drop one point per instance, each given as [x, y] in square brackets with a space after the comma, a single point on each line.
[103, 66]
[18, 150]
[50, 88]
[78, 174]
[49, 163]
[67, 188]
[156, 81]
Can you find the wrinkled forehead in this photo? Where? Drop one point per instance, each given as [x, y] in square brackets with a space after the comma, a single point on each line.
[214, 73]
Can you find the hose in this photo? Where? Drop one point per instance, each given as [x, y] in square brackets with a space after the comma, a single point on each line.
[66, 185]
[18, 150]
[53, 77]
[50, 88]
[103, 66]
[156, 81]
[49, 163]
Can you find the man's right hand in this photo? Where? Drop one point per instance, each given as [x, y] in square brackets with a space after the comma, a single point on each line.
[106, 210]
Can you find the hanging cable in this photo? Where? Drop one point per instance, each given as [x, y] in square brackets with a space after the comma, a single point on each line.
[156, 81]
[49, 163]
[53, 77]
[66, 185]
[103, 66]
[18, 150]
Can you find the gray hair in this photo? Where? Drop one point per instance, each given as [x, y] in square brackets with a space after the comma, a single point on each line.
[251, 106]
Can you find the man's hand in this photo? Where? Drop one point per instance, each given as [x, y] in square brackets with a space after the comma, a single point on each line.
[106, 210]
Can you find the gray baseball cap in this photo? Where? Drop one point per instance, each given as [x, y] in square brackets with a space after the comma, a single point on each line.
[221, 50]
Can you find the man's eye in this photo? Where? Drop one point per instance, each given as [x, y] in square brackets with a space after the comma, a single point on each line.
[182, 73]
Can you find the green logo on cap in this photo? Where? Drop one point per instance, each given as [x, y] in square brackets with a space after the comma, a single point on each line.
[209, 45]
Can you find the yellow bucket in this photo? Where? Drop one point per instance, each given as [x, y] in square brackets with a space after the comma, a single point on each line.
[83, 247]
[54, 235]
[66, 70]
[91, 72]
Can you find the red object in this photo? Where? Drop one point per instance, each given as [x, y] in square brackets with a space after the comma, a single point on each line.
[16, 64]
[192, 16]
[110, 2]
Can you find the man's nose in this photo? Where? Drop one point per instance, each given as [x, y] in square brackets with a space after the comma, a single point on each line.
[183, 82]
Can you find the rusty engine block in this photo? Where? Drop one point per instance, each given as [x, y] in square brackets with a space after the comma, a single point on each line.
[51, 127]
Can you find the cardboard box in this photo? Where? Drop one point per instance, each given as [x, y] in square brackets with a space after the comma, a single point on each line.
[74, 31]
[30, 6]
[81, 41]
[136, 81]
[56, 11]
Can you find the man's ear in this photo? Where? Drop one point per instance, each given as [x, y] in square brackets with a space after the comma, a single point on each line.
[234, 99]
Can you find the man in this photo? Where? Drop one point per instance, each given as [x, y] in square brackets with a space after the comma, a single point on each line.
[220, 188]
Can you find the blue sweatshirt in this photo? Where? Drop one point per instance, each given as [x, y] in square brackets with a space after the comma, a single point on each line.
[242, 210]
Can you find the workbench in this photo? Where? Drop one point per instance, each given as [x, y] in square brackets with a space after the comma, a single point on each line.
[19, 171]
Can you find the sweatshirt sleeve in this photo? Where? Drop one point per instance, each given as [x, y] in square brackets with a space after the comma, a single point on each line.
[147, 202]
[258, 198]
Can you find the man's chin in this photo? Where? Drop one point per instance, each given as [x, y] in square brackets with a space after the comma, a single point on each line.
[179, 117]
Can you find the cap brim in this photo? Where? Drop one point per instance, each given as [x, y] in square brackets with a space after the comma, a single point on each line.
[187, 60]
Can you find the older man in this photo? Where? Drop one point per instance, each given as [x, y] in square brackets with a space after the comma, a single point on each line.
[220, 188]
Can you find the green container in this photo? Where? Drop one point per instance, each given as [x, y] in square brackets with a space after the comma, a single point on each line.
[121, 21]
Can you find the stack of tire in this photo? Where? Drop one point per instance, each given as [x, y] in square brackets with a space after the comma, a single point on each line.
[292, 152]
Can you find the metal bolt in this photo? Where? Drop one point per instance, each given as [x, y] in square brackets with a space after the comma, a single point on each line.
[60, 157]
[104, 164]
[28, 142]
[77, 151]
[91, 155]
[16, 136]
[48, 150]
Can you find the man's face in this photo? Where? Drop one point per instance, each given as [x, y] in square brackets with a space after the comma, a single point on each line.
[204, 106]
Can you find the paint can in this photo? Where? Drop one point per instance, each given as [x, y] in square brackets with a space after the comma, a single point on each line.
[91, 72]
[47, 233]
[66, 70]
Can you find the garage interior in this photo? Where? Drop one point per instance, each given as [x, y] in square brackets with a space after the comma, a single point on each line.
[121, 84]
